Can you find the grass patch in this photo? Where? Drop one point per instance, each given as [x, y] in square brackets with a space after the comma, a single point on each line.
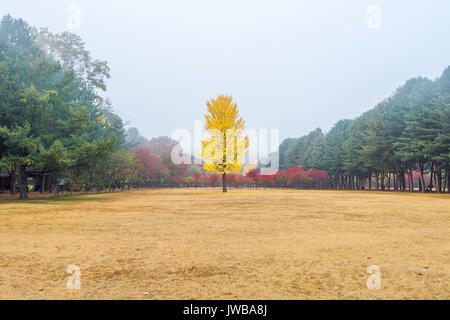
[56, 199]
[247, 244]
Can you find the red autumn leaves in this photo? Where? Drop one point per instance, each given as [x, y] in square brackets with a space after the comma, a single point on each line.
[148, 167]
[295, 176]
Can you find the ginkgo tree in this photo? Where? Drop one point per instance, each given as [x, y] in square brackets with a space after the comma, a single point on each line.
[224, 150]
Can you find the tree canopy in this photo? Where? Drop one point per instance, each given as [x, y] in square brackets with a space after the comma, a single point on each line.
[405, 134]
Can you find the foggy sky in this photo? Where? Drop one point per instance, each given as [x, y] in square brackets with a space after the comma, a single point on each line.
[290, 65]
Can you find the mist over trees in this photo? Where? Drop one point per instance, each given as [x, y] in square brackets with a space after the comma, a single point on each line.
[59, 132]
[52, 118]
[402, 142]
[56, 126]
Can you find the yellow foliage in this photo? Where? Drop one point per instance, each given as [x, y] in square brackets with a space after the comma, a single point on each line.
[226, 146]
[101, 120]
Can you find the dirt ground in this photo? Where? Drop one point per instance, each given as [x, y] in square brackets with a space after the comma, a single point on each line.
[247, 244]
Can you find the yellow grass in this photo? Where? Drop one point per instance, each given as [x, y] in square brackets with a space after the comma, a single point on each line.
[247, 244]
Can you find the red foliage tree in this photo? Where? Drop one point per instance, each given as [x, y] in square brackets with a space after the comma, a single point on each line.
[213, 179]
[296, 176]
[146, 166]
[239, 179]
[198, 178]
[318, 176]
[231, 178]
[266, 179]
[253, 176]
[177, 180]
[281, 178]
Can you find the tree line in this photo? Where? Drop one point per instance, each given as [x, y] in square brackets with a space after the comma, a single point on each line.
[403, 143]
[57, 130]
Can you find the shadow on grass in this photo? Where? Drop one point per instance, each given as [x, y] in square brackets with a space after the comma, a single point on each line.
[56, 199]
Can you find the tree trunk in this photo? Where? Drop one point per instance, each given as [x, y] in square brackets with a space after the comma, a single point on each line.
[42, 183]
[447, 172]
[411, 182]
[224, 158]
[395, 182]
[224, 182]
[430, 186]
[438, 180]
[13, 181]
[48, 183]
[377, 182]
[23, 183]
[422, 179]
[402, 180]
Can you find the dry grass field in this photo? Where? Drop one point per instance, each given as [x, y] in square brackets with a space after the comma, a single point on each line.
[247, 244]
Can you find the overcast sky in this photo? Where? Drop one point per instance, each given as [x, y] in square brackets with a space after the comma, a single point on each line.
[290, 65]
